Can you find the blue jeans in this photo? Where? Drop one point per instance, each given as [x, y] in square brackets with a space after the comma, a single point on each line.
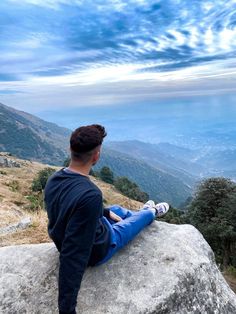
[125, 230]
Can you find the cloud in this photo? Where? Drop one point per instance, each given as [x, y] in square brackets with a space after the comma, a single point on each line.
[80, 43]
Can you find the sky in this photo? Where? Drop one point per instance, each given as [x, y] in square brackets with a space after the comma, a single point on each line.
[61, 55]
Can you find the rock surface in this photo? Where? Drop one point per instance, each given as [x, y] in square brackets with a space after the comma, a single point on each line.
[23, 224]
[9, 163]
[165, 269]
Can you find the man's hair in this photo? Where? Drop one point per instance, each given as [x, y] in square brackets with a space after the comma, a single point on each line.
[84, 140]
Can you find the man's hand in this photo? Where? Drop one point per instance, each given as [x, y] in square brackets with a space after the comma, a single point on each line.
[114, 216]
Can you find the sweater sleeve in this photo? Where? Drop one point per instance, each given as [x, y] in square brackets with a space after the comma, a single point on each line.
[106, 212]
[75, 252]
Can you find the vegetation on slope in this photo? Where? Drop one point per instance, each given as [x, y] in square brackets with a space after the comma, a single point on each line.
[31, 138]
[159, 185]
[18, 200]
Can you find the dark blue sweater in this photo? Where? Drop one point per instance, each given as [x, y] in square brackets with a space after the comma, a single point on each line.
[74, 207]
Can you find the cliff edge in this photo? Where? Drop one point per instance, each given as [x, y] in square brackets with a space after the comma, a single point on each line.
[166, 269]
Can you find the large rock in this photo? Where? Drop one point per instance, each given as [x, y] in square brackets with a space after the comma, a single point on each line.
[165, 269]
[9, 163]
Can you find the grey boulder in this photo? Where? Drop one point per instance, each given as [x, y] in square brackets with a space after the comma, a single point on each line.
[165, 269]
[22, 224]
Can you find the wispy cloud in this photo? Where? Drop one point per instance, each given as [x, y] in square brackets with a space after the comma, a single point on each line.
[80, 43]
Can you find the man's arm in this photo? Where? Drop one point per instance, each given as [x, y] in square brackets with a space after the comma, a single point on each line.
[75, 251]
[106, 212]
[110, 214]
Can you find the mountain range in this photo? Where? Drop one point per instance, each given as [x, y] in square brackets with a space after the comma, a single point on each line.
[158, 183]
[32, 138]
[188, 164]
[165, 171]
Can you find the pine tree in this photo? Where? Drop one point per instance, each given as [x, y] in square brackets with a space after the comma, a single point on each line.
[213, 212]
[107, 175]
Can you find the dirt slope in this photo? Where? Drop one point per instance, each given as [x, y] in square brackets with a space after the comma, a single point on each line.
[15, 190]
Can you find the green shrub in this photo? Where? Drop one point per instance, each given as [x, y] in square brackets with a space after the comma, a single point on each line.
[174, 216]
[13, 185]
[130, 189]
[230, 270]
[40, 181]
[107, 175]
[212, 211]
[35, 201]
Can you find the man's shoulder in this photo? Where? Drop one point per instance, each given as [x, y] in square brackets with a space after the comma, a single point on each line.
[94, 186]
[90, 189]
[88, 193]
[83, 184]
[72, 184]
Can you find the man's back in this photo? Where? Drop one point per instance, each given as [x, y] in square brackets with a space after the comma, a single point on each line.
[74, 207]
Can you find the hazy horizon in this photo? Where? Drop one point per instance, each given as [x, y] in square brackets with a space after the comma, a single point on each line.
[149, 70]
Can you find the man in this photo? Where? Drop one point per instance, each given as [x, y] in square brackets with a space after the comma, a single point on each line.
[85, 233]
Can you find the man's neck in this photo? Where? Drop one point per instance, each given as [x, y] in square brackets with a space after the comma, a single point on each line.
[81, 169]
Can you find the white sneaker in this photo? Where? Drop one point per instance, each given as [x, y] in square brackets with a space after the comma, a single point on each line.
[161, 209]
[149, 204]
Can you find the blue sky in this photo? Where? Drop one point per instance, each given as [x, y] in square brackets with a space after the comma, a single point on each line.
[60, 54]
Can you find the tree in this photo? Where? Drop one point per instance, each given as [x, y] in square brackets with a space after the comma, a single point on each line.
[213, 212]
[40, 181]
[107, 175]
[130, 189]
[174, 216]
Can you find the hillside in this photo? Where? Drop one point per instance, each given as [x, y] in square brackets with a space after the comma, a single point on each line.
[160, 185]
[187, 164]
[170, 158]
[29, 137]
[15, 183]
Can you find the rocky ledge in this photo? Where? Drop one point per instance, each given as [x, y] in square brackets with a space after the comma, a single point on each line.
[165, 269]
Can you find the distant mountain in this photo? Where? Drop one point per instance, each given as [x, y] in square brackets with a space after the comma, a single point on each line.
[159, 184]
[224, 160]
[29, 137]
[164, 156]
[220, 163]
[186, 164]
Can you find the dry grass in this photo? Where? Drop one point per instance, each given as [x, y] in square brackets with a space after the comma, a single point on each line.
[36, 233]
[112, 196]
[230, 277]
[15, 185]
[231, 280]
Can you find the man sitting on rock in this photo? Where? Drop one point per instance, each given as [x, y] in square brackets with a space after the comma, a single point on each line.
[85, 233]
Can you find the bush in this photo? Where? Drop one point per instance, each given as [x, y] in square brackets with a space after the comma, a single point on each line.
[107, 175]
[13, 185]
[212, 211]
[40, 181]
[130, 189]
[231, 271]
[174, 216]
[94, 173]
[35, 201]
